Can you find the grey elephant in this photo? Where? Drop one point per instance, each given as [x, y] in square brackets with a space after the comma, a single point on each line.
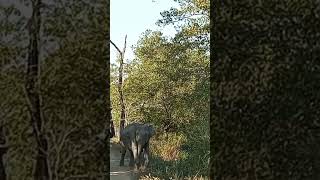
[135, 138]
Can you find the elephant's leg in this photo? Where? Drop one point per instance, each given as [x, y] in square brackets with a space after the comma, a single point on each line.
[142, 157]
[123, 153]
[136, 154]
[146, 156]
[131, 161]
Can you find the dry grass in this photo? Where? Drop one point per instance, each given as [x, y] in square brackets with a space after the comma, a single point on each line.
[168, 147]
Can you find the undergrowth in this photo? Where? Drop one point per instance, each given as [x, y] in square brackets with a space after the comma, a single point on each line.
[182, 155]
[179, 156]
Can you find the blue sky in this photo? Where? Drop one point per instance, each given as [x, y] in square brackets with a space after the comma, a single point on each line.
[133, 17]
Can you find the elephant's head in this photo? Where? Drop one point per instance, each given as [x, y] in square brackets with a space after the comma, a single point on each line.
[151, 129]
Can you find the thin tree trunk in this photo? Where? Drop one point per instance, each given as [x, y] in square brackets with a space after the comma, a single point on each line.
[41, 170]
[120, 89]
[112, 131]
[3, 151]
[120, 85]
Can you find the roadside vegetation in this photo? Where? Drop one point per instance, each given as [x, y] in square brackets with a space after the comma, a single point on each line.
[167, 85]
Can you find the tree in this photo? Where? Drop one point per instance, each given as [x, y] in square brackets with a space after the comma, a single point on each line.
[161, 80]
[75, 86]
[120, 83]
[10, 64]
[41, 170]
[73, 78]
[3, 150]
[167, 85]
[191, 20]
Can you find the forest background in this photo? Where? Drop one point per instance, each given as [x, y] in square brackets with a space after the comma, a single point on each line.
[54, 100]
[166, 83]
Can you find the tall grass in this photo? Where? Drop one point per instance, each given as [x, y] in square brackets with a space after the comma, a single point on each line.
[182, 155]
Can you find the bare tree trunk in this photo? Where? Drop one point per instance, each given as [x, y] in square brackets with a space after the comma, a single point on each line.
[3, 151]
[112, 131]
[41, 170]
[120, 84]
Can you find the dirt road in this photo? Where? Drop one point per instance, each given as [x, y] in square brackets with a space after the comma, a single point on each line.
[120, 172]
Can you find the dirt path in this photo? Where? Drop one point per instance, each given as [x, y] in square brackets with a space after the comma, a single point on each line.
[120, 172]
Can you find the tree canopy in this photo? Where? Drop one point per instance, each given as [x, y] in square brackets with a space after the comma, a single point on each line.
[167, 85]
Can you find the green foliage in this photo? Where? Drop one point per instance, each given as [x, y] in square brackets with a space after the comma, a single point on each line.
[12, 94]
[169, 79]
[72, 87]
[264, 95]
[192, 21]
[167, 85]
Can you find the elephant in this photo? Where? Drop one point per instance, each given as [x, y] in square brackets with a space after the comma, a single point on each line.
[135, 138]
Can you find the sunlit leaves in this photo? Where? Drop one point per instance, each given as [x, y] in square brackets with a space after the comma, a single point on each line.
[191, 20]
